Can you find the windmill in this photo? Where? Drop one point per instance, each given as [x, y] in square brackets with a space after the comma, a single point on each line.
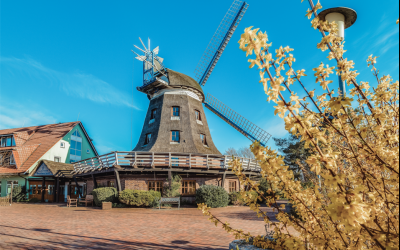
[160, 81]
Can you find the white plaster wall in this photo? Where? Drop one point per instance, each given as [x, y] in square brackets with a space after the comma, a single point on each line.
[56, 150]
[176, 92]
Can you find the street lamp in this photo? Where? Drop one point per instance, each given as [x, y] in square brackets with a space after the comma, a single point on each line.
[344, 18]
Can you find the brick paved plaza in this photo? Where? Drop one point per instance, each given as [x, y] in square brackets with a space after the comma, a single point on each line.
[30, 226]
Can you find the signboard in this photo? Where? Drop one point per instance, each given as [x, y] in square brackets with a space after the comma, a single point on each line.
[43, 170]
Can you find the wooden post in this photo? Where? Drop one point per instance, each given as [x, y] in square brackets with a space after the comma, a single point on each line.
[223, 180]
[57, 189]
[94, 182]
[118, 182]
[69, 187]
[170, 178]
[11, 195]
[43, 187]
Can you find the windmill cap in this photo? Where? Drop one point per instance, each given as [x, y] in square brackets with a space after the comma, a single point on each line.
[350, 15]
[178, 79]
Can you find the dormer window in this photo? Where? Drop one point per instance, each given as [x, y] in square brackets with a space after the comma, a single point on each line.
[7, 141]
[7, 158]
[147, 139]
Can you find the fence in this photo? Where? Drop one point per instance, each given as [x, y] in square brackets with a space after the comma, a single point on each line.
[5, 201]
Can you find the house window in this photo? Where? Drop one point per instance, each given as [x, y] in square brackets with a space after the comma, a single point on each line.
[153, 114]
[32, 189]
[57, 158]
[39, 189]
[176, 112]
[147, 139]
[14, 184]
[203, 139]
[7, 141]
[87, 151]
[76, 147]
[175, 136]
[198, 115]
[188, 187]
[50, 190]
[156, 186]
[110, 184]
[232, 186]
[62, 144]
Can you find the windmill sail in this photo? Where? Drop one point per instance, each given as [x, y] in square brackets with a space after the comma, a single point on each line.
[220, 40]
[238, 122]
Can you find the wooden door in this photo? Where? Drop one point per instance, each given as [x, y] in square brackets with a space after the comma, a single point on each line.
[35, 190]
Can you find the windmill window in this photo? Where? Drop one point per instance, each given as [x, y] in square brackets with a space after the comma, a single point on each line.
[153, 114]
[198, 115]
[175, 136]
[203, 139]
[148, 139]
[176, 112]
[7, 141]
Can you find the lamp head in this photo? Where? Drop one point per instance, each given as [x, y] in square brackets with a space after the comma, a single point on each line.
[344, 17]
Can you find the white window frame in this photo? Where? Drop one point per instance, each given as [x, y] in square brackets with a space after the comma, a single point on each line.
[62, 144]
[57, 157]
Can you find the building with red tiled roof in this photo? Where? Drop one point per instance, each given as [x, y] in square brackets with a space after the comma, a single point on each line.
[21, 149]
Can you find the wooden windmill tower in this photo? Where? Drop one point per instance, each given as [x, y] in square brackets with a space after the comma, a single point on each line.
[175, 120]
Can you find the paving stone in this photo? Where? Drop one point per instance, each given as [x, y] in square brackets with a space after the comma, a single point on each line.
[34, 226]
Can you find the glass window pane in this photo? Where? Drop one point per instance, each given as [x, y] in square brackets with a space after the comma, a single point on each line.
[73, 144]
[74, 133]
[13, 141]
[8, 142]
[79, 145]
[72, 151]
[77, 134]
[3, 141]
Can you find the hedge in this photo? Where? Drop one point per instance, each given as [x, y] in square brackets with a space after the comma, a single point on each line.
[105, 194]
[140, 198]
[212, 196]
[19, 194]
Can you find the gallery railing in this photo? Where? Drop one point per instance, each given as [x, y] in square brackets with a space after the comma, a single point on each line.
[149, 159]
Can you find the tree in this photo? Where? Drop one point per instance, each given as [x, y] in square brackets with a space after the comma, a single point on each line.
[356, 205]
[241, 152]
[294, 152]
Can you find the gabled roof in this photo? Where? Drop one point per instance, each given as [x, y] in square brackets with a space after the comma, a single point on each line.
[58, 169]
[33, 142]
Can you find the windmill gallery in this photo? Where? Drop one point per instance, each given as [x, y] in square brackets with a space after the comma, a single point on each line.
[175, 138]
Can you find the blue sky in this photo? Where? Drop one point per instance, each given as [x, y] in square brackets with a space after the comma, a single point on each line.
[63, 60]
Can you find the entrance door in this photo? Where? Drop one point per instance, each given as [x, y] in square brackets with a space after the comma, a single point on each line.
[35, 190]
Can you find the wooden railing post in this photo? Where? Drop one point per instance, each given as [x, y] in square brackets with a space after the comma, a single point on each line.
[170, 161]
[116, 158]
[208, 166]
[190, 161]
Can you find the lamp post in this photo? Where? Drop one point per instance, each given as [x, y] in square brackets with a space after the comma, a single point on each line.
[344, 18]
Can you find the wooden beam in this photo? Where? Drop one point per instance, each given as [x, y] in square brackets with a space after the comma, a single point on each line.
[118, 182]
[43, 187]
[94, 182]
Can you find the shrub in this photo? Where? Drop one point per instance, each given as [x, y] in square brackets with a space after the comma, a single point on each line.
[140, 198]
[34, 200]
[19, 194]
[212, 196]
[234, 198]
[105, 194]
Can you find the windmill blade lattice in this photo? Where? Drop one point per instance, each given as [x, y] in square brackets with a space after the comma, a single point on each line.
[219, 41]
[241, 124]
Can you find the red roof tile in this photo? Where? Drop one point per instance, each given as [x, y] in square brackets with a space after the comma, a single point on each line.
[33, 142]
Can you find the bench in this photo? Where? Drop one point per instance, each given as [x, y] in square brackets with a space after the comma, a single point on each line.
[88, 199]
[164, 200]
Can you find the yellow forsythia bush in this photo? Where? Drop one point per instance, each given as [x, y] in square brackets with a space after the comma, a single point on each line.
[355, 203]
